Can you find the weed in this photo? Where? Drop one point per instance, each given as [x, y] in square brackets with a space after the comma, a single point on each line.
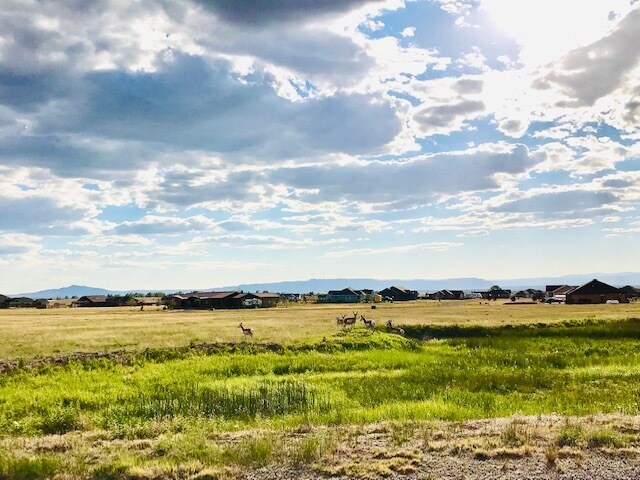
[570, 435]
[516, 434]
[605, 438]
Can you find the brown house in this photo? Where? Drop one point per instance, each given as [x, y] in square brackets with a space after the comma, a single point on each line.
[595, 291]
[93, 301]
[221, 300]
[201, 300]
[256, 300]
[147, 301]
[269, 299]
[60, 303]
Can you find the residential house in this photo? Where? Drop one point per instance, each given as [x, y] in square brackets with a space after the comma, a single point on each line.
[256, 300]
[495, 294]
[529, 293]
[21, 302]
[367, 294]
[146, 301]
[346, 295]
[631, 291]
[290, 297]
[446, 295]
[595, 291]
[399, 294]
[59, 303]
[221, 300]
[94, 301]
[269, 299]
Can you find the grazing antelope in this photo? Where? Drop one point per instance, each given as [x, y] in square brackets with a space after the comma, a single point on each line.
[246, 331]
[392, 329]
[350, 321]
[370, 324]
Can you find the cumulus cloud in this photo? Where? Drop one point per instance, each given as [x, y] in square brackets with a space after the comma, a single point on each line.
[148, 131]
[41, 214]
[155, 224]
[589, 73]
[262, 12]
[18, 243]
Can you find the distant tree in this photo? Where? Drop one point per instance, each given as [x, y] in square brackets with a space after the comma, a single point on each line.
[156, 294]
[495, 287]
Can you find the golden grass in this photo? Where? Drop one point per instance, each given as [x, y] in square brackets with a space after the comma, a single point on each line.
[28, 333]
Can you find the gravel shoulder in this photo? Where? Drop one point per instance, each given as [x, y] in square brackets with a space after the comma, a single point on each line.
[543, 448]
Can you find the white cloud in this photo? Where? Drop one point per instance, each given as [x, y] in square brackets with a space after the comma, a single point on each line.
[400, 249]
[408, 32]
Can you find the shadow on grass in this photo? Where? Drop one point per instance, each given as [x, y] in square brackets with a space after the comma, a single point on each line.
[594, 329]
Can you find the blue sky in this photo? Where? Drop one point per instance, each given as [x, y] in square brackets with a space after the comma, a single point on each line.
[174, 143]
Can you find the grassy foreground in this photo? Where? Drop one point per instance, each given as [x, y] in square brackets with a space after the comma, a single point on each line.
[189, 410]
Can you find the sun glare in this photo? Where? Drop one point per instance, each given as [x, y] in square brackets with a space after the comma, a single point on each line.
[547, 29]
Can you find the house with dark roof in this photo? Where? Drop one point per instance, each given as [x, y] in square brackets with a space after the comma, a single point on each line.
[550, 288]
[21, 302]
[346, 295]
[631, 291]
[203, 300]
[495, 294]
[563, 289]
[399, 294]
[446, 295]
[94, 301]
[595, 291]
[221, 300]
[529, 293]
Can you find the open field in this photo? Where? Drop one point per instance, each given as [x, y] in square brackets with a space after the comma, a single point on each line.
[356, 404]
[27, 333]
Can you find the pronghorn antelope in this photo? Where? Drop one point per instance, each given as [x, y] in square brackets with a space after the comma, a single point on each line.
[392, 329]
[246, 331]
[350, 321]
[370, 324]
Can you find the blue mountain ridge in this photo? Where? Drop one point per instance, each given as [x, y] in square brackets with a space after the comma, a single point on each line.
[318, 285]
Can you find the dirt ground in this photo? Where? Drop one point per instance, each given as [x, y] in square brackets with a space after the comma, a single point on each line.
[511, 448]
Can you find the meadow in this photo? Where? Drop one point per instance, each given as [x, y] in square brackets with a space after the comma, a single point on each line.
[28, 333]
[300, 394]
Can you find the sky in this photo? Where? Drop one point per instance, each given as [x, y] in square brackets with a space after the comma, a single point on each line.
[203, 143]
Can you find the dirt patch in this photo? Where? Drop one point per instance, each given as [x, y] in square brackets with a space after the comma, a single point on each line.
[129, 357]
[511, 448]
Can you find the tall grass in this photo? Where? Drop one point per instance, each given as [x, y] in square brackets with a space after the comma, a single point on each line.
[263, 399]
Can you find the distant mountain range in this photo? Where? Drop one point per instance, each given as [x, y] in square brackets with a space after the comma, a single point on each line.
[323, 285]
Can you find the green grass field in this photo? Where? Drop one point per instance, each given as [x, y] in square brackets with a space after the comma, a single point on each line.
[197, 410]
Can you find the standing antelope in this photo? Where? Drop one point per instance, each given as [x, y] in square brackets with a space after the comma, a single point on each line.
[392, 329]
[246, 331]
[350, 321]
[370, 324]
[340, 320]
